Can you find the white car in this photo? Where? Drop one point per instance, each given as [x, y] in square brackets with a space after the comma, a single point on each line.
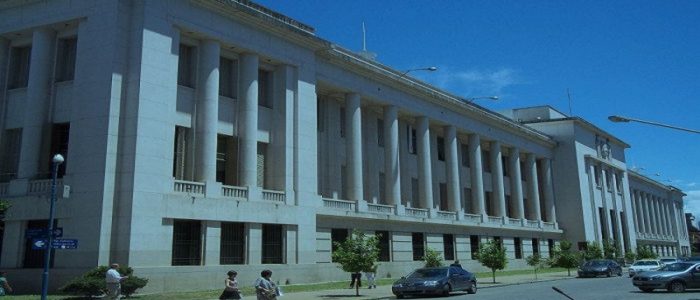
[644, 265]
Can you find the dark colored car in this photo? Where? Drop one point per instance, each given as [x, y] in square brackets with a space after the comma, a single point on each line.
[598, 267]
[435, 281]
[674, 277]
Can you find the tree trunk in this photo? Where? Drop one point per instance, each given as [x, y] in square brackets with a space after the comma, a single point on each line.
[493, 271]
[357, 287]
[568, 271]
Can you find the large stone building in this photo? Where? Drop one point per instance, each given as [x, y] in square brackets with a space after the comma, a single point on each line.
[205, 135]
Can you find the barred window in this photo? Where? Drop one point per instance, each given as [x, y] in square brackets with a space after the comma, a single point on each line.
[384, 246]
[418, 246]
[448, 245]
[232, 243]
[272, 244]
[187, 243]
[180, 152]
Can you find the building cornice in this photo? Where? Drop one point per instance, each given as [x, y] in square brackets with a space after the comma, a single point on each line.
[588, 125]
[646, 179]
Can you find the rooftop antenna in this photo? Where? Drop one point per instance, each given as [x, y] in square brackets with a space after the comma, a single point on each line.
[364, 53]
[569, 96]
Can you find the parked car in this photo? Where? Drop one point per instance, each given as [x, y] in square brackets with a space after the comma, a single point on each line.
[438, 281]
[667, 261]
[675, 277]
[644, 265]
[597, 267]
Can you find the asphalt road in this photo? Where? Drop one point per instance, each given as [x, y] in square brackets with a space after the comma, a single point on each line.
[614, 288]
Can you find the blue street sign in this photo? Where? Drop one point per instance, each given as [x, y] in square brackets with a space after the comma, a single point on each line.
[37, 233]
[38, 244]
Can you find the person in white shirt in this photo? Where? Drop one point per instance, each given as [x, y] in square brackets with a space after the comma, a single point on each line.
[113, 280]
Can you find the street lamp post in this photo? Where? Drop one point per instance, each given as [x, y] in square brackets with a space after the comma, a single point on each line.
[620, 119]
[431, 69]
[56, 161]
[471, 99]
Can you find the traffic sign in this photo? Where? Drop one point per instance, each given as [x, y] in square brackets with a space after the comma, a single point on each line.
[36, 233]
[38, 244]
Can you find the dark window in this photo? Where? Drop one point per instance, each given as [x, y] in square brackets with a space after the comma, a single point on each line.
[474, 245]
[465, 155]
[9, 157]
[19, 67]
[608, 180]
[550, 247]
[415, 198]
[186, 66]
[35, 258]
[382, 188]
[59, 145]
[179, 153]
[498, 241]
[522, 171]
[380, 132]
[384, 248]
[535, 246]
[596, 173]
[418, 246]
[221, 157]
[228, 77]
[272, 244]
[489, 206]
[444, 206]
[321, 116]
[65, 59]
[441, 148]
[187, 243]
[412, 139]
[342, 122]
[510, 206]
[486, 161]
[265, 88]
[338, 236]
[504, 164]
[518, 246]
[232, 243]
[448, 243]
[601, 217]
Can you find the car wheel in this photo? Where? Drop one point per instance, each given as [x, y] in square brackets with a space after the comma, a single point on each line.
[619, 273]
[446, 290]
[609, 273]
[472, 288]
[676, 287]
[646, 290]
[399, 296]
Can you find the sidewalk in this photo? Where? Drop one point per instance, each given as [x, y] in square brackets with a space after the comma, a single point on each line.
[384, 292]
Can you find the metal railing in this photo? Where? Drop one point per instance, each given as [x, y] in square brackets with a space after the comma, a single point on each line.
[447, 215]
[548, 225]
[532, 223]
[190, 187]
[234, 191]
[493, 219]
[339, 204]
[473, 218]
[42, 186]
[380, 208]
[512, 221]
[417, 212]
[276, 196]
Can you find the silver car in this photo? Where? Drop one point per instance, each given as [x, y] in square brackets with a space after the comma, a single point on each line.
[674, 277]
[435, 281]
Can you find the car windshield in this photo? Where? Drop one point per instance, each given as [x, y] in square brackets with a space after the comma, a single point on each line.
[428, 273]
[645, 263]
[676, 267]
[595, 263]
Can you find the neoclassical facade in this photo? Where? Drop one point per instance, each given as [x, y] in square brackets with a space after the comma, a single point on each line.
[206, 135]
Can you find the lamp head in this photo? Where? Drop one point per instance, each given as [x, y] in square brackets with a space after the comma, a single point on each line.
[431, 69]
[618, 119]
[58, 159]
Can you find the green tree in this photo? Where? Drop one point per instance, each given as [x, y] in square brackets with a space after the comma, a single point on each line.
[610, 250]
[645, 252]
[630, 256]
[493, 256]
[564, 257]
[592, 251]
[357, 253]
[432, 258]
[93, 282]
[536, 262]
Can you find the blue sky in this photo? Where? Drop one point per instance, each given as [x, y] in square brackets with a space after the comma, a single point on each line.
[639, 59]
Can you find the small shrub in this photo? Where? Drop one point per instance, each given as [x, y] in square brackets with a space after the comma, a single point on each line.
[93, 282]
[432, 258]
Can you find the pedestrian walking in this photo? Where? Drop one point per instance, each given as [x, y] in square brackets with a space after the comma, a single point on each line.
[370, 277]
[231, 290]
[113, 280]
[265, 288]
[5, 287]
[355, 279]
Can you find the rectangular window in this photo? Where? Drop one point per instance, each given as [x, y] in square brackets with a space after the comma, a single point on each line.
[465, 155]
[232, 246]
[9, 157]
[518, 246]
[341, 117]
[485, 161]
[467, 200]
[265, 88]
[19, 67]
[228, 77]
[65, 59]
[343, 183]
[504, 164]
[382, 188]
[618, 183]
[418, 246]
[522, 171]
[34, 258]
[414, 192]
[412, 139]
[59, 145]
[441, 148]
[380, 132]
[489, 206]
[187, 243]
[498, 241]
[448, 245]
[608, 180]
[186, 66]
[474, 245]
[221, 157]
[180, 152]
[320, 116]
[272, 244]
[384, 245]
[535, 246]
[444, 206]
[338, 235]
[510, 207]
[262, 164]
[550, 247]
[601, 217]
[596, 174]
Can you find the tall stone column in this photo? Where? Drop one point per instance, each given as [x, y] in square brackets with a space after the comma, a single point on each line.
[664, 216]
[392, 167]
[248, 115]
[353, 143]
[672, 217]
[499, 196]
[616, 211]
[647, 214]
[635, 211]
[425, 177]
[606, 209]
[516, 186]
[452, 168]
[548, 191]
[533, 195]
[477, 175]
[654, 213]
[36, 110]
[207, 112]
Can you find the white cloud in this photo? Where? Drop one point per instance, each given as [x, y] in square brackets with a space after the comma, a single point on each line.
[692, 203]
[474, 83]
